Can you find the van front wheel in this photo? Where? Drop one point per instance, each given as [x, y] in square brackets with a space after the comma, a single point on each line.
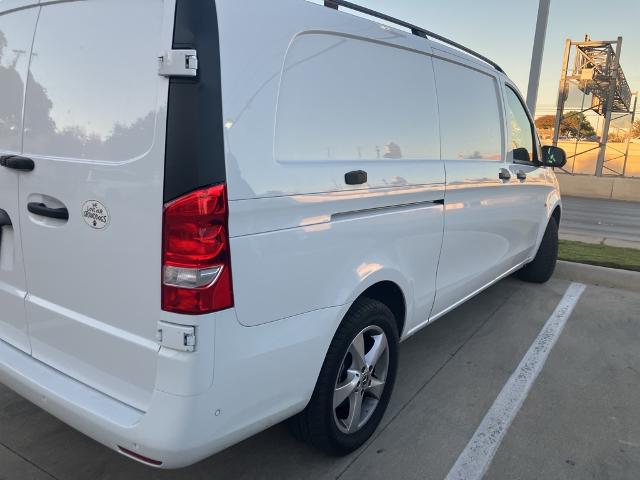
[544, 263]
[355, 382]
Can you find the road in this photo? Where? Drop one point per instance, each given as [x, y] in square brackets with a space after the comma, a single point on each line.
[614, 222]
[580, 419]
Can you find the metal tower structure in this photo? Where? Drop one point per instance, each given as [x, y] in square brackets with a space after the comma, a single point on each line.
[596, 72]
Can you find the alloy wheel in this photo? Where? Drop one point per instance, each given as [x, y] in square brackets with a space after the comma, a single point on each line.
[361, 379]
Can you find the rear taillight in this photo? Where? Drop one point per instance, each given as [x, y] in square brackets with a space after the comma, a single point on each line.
[196, 263]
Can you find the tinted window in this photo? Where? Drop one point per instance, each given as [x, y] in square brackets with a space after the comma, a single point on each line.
[521, 131]
[16, 34]
[92, 89]
[348, 99]
[469, 113]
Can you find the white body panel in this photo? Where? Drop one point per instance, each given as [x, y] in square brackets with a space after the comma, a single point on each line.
[307, 96]
[285, 190]
[16, 33]
[80, 309]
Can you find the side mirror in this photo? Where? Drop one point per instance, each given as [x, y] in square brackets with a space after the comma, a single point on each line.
[553, 157]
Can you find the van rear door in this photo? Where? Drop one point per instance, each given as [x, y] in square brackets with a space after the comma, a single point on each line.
[91, 210]
[16, 35]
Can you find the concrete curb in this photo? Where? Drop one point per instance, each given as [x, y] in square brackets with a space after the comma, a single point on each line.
[600, 276]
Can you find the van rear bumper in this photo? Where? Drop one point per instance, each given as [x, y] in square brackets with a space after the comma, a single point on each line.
[167, 433]
[252, 389]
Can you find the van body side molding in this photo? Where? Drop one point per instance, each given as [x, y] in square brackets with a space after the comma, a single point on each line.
[372, 211]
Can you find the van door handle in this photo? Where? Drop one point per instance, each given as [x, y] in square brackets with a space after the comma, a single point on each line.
[504, 174]
[16, 162]
[44, 211]
[357, 177]
[5, 221]
[521, 175]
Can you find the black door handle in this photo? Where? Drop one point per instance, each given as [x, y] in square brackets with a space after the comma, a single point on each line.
[44, 211]
[357, 177]
[5, 221]
[521, 175]
[504, 174]
[16, 162]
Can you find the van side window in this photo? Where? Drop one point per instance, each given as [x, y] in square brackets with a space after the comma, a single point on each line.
[91, 90]
[16, 33]
[521, 147]
[346, 99]
[470, 118]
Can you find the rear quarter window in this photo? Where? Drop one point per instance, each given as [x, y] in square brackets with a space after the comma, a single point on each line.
[93, 78]
[345, 99]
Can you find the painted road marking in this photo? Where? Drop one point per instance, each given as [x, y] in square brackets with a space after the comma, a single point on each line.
[474, 461]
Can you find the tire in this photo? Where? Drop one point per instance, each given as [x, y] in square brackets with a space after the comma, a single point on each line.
[338, 431]
[544, 263]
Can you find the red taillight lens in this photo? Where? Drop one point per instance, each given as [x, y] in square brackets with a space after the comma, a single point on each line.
[196, 264]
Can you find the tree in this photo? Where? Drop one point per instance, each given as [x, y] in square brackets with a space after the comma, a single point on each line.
[573, 124]
[635, 130]
[577, 125]
[545, 122]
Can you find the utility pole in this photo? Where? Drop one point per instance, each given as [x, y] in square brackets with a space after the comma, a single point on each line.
[613, 83]
[562, 92]
[536, 55]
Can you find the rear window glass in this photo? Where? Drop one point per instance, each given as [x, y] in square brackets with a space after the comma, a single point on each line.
[344, 99]
[92, 90]
[470, 118]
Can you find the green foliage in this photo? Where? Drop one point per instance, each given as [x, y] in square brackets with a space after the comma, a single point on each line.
[572, 124]
[546, 121]
[602, 255]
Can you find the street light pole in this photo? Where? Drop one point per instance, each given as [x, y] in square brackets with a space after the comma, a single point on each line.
[536, 55]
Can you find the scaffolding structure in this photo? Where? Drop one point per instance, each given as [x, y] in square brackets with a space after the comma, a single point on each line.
[596, 72]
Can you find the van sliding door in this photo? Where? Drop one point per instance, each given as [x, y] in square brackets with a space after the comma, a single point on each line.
[481, 213]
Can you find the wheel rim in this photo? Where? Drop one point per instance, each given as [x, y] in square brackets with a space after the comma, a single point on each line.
[361, 380]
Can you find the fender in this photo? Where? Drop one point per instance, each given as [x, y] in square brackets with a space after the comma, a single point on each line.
[552, 201]
[384, 274]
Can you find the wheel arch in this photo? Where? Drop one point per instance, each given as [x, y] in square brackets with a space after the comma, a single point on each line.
[391, 295]
[557, 214]
[553, 210]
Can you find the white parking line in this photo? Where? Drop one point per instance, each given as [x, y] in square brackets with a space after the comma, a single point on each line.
[474, 461]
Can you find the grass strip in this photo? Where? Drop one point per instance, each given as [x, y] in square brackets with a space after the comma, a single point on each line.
[602, 255]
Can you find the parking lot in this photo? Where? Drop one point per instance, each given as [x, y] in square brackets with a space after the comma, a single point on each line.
[580, 419]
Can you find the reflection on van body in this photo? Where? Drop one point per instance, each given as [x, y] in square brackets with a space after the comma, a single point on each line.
[323, 121]
[15, 43]
[80, 113]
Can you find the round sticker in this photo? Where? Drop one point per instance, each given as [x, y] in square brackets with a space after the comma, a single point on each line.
[95, 214]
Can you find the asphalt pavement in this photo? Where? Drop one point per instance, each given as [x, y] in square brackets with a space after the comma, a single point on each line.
[593, 220]
[579, 420]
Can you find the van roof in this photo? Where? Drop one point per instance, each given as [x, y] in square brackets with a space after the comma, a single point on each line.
[415, 30]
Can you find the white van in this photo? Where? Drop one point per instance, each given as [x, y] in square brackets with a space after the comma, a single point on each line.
[217, 215]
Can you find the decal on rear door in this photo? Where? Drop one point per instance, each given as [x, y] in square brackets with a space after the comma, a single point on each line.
[95, 214]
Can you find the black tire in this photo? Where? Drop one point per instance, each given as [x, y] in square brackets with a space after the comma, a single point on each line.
[544, 263]
[318, 424]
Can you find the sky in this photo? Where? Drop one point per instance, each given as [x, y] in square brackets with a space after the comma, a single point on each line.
[503, 30]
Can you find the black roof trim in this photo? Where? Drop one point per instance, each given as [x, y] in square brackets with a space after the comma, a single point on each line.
[419, 31]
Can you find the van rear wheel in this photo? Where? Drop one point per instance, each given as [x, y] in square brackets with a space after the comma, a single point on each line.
[544, 263]
[355, 382]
